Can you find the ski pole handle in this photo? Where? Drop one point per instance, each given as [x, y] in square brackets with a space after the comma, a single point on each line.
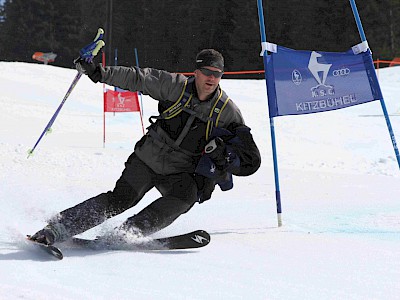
[100, 44]
[88, 52]
[99, 35]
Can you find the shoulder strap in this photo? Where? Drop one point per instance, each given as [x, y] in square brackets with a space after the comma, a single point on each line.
[215, 112]
[182, 105]
[183, 101]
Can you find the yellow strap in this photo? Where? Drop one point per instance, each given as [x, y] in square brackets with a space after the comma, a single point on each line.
[176, 109]
[210, 122]
[175, 106]
[179, 109]
[222, 108]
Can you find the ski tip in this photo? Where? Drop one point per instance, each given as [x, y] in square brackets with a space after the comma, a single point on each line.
[203, 233]
[50, 249]
[55, 252]
[201, 237]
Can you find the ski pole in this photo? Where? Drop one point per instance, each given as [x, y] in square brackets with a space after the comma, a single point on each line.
[87, 53]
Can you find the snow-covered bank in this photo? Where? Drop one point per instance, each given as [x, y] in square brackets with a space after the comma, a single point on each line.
[340, 188]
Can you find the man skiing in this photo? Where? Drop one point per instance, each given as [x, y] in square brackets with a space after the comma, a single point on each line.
[198, 140]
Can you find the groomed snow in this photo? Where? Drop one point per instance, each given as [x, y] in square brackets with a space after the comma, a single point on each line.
[339, 180]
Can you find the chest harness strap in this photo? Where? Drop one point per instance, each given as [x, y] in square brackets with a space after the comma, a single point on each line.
[183, 104]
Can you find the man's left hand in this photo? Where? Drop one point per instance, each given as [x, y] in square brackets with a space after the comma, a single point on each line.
[216, 150]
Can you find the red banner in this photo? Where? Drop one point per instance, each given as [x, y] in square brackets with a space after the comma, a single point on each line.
[115, 101]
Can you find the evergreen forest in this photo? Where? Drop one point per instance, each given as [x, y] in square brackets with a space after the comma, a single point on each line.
[168, 33]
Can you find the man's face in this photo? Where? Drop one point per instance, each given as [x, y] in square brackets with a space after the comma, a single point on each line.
[207, 80]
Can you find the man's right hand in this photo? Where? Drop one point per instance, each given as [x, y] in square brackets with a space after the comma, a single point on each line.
[88, 68]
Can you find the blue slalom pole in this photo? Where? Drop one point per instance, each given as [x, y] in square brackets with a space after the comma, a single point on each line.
[115, 64]
[271, 120]
[139, 93]
[136, 58]
[389, 125]
[358, 20]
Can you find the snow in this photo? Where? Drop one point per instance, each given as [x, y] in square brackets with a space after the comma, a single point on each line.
[339, 181]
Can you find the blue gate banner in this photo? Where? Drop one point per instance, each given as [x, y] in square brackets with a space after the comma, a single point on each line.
[303, 82]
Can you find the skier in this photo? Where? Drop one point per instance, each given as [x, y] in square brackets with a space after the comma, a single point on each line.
[198, 140]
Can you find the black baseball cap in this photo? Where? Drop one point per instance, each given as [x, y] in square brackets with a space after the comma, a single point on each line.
[209, 58]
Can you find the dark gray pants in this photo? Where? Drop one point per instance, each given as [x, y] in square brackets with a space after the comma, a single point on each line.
[179, 193]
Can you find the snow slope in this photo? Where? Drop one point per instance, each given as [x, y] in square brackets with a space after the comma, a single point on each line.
[340, 188]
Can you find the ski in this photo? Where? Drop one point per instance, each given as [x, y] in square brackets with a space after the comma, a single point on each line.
[50, 249]
[191, 240]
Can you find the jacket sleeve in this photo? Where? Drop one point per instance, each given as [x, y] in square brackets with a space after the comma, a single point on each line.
[158, 84]
[246, 149]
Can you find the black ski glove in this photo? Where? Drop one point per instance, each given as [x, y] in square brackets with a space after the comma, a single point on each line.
[89, 69]
[205, 187]
[216, 150]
